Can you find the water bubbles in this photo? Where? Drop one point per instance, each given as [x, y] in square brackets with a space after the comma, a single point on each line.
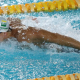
[23, 33]
[43, 37]
[1, 77]
[2, 0]
[55, 16]
[28, 39]
[47, 39]
[23, 37]
[19, 31]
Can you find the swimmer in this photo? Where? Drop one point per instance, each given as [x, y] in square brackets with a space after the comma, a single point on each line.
[34, 35]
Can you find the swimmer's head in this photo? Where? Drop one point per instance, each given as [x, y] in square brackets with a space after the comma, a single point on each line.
[4, 25]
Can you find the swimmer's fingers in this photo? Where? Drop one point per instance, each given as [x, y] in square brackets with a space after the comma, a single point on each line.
[35, 19]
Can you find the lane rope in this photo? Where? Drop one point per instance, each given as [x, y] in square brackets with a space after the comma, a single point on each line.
[75, 76]
[47, 6]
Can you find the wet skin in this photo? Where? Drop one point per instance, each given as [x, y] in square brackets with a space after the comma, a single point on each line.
[37, 36]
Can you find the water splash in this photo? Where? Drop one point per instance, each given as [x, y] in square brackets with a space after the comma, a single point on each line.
[25, 60]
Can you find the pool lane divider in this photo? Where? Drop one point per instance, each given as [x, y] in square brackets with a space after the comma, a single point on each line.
[75, 76]
[47, 6]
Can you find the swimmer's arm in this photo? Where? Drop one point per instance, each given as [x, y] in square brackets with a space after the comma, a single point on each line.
[45, 36]
[60, 39]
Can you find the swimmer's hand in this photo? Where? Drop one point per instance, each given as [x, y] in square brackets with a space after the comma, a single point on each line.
[35, 19]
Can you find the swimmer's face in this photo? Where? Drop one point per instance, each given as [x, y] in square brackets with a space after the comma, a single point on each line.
[3, 36]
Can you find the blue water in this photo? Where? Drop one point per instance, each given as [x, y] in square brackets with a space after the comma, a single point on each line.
[21, 61]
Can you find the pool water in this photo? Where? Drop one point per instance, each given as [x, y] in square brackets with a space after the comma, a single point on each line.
[21, 61]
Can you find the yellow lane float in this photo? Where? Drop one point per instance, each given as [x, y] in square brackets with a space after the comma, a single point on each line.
[75, 76]
[47, 6]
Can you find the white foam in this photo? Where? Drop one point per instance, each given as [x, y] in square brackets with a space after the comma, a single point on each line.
[55, 25]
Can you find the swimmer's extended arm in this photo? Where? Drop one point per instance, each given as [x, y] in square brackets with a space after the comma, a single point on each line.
[38, 36]
[45, 36]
